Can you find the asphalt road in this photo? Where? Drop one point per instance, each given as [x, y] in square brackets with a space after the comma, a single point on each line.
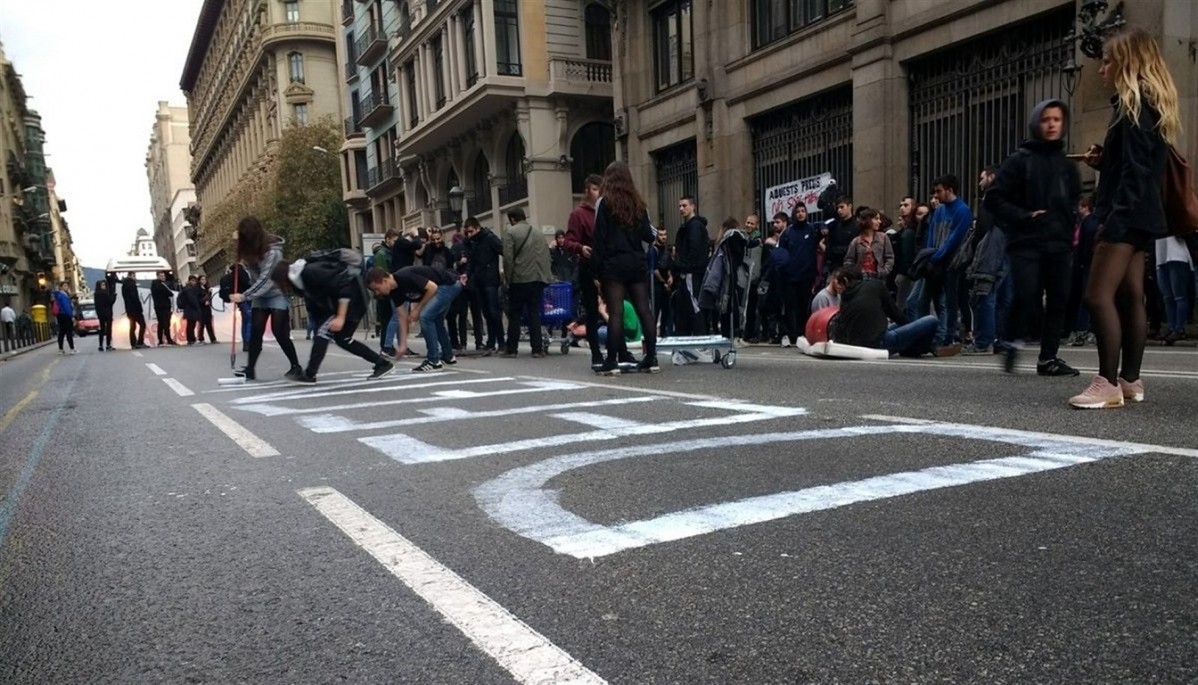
[790, 520]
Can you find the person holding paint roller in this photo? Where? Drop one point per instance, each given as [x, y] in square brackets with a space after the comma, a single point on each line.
[260, 252]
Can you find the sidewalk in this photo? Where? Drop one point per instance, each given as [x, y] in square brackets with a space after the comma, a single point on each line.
[5, 356]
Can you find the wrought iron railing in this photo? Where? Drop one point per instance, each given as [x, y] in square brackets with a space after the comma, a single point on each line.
[515, 190]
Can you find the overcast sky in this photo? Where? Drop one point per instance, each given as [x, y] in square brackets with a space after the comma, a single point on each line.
[95, 71]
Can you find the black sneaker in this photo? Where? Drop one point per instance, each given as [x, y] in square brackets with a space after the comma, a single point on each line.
[610, 367]
[596, 362]
[295, 374]
[245, 372]
[1055, 367]
[426, 366]
[383, 368]
[649, 365]
[1010, 355]
[627, 357]
[452, 361]
[303, 380]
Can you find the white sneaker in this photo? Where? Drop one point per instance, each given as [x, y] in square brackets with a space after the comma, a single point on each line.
[74, 351]
[785, 342]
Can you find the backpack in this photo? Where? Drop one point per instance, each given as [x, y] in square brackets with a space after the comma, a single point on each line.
[1181, 204]
[350, 262]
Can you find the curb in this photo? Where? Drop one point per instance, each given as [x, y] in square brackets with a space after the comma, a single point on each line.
[5, 356]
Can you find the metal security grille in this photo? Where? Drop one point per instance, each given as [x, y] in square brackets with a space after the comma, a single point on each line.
[970, 104]
[808, 138]
[677, 170]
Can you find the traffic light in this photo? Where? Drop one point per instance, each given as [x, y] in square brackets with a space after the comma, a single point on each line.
[41, 280]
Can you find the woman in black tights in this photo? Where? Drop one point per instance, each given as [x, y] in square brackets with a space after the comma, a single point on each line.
[260, 252]
[621, 228]
[1130, 212]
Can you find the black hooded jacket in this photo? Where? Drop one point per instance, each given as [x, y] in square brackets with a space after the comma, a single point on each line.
[104, 300]
[1037, 177]
[131, 297]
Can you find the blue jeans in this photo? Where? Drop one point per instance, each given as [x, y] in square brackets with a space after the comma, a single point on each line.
[1173, 279]
[390, 331]
[432, 323]
[984, 322]
[936, 294]
[913, 339]
[246, 323]
[911, 306]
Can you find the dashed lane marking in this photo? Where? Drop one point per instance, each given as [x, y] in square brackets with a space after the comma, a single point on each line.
[526, 654]
[179, 388]
[252, 444]
[158, 371]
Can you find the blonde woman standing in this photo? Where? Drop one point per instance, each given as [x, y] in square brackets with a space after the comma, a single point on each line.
[1131, 215]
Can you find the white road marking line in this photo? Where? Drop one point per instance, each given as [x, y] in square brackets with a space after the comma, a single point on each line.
[944, 364]
[633, 388]
[529, 656]
[358, 377]
[273, 410]
[255, 446]
[178, 387]
[390, 383]
[600, 421]
[137, 354]
[1098, 442]
[521, 501]
[408, 450]
[331, 423]
[156, 369]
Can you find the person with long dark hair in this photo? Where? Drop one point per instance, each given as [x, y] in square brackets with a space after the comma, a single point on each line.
[260, 252]
[621, 228]
[1130, 212]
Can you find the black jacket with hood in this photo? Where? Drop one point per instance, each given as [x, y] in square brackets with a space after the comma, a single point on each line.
[1036, 177]
[161, 295]
[105, 299]
[691, 246]
[131, 297]
[1131, 173]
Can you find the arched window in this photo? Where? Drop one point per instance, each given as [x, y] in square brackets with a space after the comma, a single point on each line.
[598, 32]
[295, 66]
[481, 185]
[591, 150]
[516, 187]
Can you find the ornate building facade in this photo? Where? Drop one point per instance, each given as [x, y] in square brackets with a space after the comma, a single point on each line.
[168, 171]
[725, 100]
[503, 103]
[254, 68]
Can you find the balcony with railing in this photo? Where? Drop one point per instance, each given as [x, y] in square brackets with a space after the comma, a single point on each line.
[376, 108]
[370, 46]
[515, 190]
[351, 71]
[352, 129]
[383, 177]
[347, 12]
[580, 76]
[299, 30]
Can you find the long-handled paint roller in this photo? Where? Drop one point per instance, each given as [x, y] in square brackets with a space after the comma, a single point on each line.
[235, 380]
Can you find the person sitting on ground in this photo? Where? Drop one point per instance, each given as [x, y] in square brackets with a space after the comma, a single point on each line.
[333, 294]
[829, 296]
[868, 317]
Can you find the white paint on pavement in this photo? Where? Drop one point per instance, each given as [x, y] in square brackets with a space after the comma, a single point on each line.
[520, 500]
[526, 654]
[255, 446]
[1138, 447]
[407, 450]
[158, 371]
[137, 354]
[180, 389]
[331, 423]
[600, 421]
[388, 384]
[275, 410]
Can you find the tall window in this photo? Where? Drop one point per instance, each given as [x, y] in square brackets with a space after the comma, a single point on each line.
[776, 19]
[438, 74]
[409, 71]
[673, 44]
[471, 58]
[295, 66]
[598, 32]
[593, 148]
[292, 9]
[301, 114]
[481, 182]
[507, 38]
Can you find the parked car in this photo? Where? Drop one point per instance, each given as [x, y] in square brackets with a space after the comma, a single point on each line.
[86, 320]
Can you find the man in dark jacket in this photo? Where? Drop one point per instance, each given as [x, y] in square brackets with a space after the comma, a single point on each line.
[105, 298]
[466, 302]
[800, 239]
[484, 249]
[661, 259]
[838, 235]
[690, 261]
[1035, 197]
[163, 299]
[334, 297]
[190, 302]
[133, 311]
[868, 317]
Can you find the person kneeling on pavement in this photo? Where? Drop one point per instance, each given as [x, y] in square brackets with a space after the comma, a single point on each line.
[868, 317]
[334, 297]
[431, 291]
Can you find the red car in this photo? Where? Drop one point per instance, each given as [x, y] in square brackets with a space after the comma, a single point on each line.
[85, 318]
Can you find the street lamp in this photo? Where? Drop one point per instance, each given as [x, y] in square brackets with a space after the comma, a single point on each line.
[456, 194]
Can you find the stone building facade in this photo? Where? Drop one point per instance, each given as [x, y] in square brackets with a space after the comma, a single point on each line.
[254, 68]
[724, 100]
[506, 101]
[168, 170]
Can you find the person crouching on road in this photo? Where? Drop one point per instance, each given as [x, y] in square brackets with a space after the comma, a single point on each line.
[865, 307]
[333, 295]
[430, 291]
